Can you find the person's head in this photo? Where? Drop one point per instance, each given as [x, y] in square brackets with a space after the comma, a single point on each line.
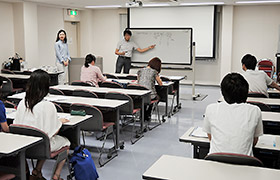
[127, 34]
[61, 35]
[155, 64]
[37, 88]
[234, 88]
[90, 59]
[249, 62]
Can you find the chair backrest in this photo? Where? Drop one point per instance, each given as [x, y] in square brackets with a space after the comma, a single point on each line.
[231, 158]
[95, 123]
[84, 93]
[137, 87]
[267, 66]
[127, 108]
[110, 76]
[7, 71]
[256, 94]
[58, 107]
[131, 77]
[81, 83]
[7, 86]
[56, 91]
[262, 106]
[9, 104]
[39, 151]
[110, 84]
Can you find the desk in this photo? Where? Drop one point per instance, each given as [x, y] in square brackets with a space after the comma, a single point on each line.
[138, 95]
[273, 93]
[272, 102]
[102, 104]
[162, 91]
[13, 144]
[181, 168]
[264, 149]
[271, 122]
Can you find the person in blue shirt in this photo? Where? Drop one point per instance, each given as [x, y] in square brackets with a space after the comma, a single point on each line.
[62, 56]
[3, 121]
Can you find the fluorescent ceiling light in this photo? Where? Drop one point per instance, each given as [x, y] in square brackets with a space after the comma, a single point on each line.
[156, 5]
[201, 3]
[104, 6]
[254, 2]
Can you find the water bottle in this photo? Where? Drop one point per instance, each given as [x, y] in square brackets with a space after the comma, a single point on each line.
[274, 77]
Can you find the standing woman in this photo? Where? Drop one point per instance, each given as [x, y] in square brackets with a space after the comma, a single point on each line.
[62, 56]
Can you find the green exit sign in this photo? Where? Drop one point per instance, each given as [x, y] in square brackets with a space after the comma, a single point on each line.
[73, 12]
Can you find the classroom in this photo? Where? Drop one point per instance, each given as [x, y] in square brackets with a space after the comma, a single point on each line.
[152, 89]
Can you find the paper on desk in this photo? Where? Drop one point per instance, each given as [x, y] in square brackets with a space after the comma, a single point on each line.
[64, 116]
[267, 140]
[55, 98]
[198, 132]
[11, 113]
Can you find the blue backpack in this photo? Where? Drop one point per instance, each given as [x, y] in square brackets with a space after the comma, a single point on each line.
[83, 165]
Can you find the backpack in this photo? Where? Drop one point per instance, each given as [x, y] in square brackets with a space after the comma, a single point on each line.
[83, 165]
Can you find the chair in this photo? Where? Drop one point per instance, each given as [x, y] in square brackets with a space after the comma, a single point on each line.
[267, 66]
[97, 124]
[81, 83]
[231, 158]
[56, 91]
[4, 176]
[262, 106]
[84, 93]
[8, 87]
[7, 71]
[172, 92]
[128, 112]
[153, 103]
[256, 94]
[131, 77]
[9, 104]
[58, 108]
[110, 76]
[41, 150]
[109, 84]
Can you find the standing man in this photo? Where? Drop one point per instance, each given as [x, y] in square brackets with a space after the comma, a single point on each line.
[124, 52]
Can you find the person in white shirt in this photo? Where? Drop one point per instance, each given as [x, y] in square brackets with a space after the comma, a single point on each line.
[233, 126]
[258, 80]
[34, 111]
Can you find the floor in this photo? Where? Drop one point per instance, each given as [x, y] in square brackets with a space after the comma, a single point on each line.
[135, 159]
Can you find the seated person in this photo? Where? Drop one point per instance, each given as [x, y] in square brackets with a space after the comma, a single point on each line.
[233, 126]
[258, 80]
[34, 111]
[147, 77]
[3, 121]
[90, 72]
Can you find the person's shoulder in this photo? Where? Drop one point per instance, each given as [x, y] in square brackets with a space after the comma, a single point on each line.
[47, 105]
[214, 106]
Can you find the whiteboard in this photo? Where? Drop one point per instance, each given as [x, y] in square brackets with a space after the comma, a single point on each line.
[200, 18]
[173, 45]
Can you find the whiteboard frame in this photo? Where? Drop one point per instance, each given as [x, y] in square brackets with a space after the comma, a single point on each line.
[191, 42]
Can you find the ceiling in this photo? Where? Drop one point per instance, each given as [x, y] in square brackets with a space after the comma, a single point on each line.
[83, 3]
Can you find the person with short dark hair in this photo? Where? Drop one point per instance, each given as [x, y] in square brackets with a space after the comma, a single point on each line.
[147, 77]
[258, 80]
[233, 126]
[124, 51]
[90, 72]
[62, 56]
[36, 112]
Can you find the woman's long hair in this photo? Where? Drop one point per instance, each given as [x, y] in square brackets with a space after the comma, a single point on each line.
[37, 88]
[155, 64]
[57, 37]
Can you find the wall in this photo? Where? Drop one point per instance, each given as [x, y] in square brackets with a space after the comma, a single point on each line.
[6, 32]
[255, 31]
[19, 29]
[50, 21]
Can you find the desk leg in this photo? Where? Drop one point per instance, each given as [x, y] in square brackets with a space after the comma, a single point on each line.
[142, 128]
[117, 124]
[166, 106]
[22, 165]
[177, 85]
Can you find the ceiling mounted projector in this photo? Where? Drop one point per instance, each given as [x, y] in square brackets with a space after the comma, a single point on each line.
[134, 3]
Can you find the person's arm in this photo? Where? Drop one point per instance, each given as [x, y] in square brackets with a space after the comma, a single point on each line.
[274, 85]
[5, 127]
[209, 136]
[100, 75]
[255, 140]
[57, 53]
[158, 80]
[117, 52]
[145, 49]
[259, 127]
